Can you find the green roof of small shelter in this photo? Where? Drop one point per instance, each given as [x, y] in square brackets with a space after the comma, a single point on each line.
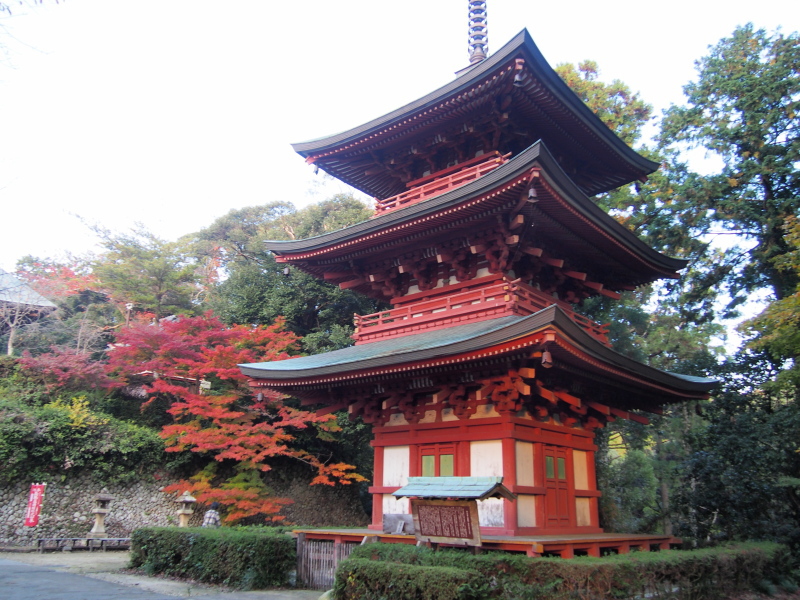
[467, 488]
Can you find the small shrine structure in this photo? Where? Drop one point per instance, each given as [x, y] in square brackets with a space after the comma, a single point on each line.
[484, 239]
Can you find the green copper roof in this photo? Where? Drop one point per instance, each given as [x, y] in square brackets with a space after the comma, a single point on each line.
[468, 338]
[468, 488]
[441, 342]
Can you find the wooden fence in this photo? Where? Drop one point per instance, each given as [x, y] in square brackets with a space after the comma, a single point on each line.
[317, 561]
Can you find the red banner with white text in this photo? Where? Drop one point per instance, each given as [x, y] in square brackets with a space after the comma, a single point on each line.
[34, 504]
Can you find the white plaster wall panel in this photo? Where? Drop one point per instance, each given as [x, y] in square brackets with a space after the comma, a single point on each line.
[583, 512]
[524, 455]
[396, 419]
[485, 411]
[490, 512]
[430, 417]
[526, 511]
[486, 458]
[580, 465]
[395, 506]
[395, 465]
[448, 415]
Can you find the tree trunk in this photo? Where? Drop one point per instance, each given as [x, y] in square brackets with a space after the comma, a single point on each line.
[12, 333]
[666, 519]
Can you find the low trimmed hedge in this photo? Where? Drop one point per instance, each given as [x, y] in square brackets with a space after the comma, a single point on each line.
[246, 558]
[378, 571]
[376, 580]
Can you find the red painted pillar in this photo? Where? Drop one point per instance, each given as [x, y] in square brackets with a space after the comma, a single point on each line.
[377, 499]
[591, 477]
[509, 449]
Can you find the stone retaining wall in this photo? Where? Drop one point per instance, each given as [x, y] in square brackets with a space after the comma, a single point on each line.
[67, 510]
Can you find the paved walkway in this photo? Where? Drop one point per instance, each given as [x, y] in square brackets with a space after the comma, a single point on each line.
[97, 576]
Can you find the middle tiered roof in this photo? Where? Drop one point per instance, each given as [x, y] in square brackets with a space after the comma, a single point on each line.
[560, 224]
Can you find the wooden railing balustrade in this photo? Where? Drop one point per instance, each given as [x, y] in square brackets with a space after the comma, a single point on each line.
[539, 300]
[442, 182]
[500, 299]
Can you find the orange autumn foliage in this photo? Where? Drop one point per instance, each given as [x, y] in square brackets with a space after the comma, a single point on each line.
[193, 361]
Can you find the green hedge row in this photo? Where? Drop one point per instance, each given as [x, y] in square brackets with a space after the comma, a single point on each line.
[242, 557]
[369, 579]
[380, 571]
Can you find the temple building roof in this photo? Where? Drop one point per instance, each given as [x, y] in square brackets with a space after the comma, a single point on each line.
[505, 103]
[564, 218]
[571, 347]
[14, 291]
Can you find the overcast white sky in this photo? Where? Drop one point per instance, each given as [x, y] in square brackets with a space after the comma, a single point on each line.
[173, 112]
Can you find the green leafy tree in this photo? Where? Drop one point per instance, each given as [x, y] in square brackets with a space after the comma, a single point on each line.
[657, 323]
[777, 329]
[743, 108]
[152, 274]
[742, 479]
[668, 324]
[631, 488]
[621, 109]
[258, 289]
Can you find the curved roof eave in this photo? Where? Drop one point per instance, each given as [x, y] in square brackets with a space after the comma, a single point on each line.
[462, 339]
[525, 160]
[523, 44]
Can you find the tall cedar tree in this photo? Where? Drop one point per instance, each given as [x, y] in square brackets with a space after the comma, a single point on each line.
[777, 329]
[666, 325]
[744, 108]
[224, 422]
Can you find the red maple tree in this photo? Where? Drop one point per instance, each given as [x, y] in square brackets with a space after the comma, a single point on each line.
[193, 361]
[66, 369]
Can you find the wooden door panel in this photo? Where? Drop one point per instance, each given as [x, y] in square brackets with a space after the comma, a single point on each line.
[558, 494]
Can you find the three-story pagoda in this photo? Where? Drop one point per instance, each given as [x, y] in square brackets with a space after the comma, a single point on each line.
[484, 238]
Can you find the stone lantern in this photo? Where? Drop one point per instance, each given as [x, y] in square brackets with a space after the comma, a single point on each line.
[185, 511]
[100, 510]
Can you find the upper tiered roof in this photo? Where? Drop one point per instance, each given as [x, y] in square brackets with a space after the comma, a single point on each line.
[506, 102]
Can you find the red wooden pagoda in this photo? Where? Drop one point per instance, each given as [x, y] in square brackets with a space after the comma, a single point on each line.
[484, 238]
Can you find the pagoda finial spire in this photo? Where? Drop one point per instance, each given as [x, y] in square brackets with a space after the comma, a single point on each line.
[478, 33]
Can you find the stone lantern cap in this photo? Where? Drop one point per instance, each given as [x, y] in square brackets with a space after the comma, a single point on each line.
[186, 498]
[101, 502]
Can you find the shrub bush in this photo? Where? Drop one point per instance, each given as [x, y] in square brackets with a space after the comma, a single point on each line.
[707, 574]
[242, 557]
[377, 580]
[40, 442]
